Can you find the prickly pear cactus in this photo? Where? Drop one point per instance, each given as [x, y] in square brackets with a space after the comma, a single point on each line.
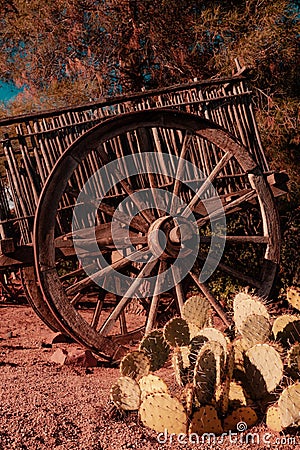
[236, 395]
[152, 384]
[188, 398]
[244, 414]
[289, 405]
[205, 375]
[219, 354]
[256, 329]
[181, 365]
[273, 418]
[223, 391]
[195, 346]
[206, 420]
[126, 394]
[176, 332]
[135, 365]
[197, 310]
[263, 369]
[194, 330]
[244, 305]
[217, 377]
[156, 348]
[286, 329]
[161, 411]
[212, 334]
[293, 297]
[240, 346]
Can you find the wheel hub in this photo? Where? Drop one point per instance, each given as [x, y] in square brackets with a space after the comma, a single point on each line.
[172, 237]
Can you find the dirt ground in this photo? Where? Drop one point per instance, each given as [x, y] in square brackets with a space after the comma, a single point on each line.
[44, 405]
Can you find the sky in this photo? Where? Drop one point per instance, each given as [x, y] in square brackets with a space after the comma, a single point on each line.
[7, 91]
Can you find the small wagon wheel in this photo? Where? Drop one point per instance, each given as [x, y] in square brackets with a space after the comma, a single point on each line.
[121, 218]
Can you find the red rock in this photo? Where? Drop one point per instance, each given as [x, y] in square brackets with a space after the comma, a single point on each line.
[59, 356]
[81, 358]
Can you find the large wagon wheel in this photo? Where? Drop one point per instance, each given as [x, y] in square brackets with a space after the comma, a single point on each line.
[225, 179]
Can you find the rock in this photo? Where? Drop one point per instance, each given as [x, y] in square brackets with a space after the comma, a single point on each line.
[59, 356]
[81, 358]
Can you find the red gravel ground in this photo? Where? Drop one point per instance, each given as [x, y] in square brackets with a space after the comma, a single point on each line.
[47, 406]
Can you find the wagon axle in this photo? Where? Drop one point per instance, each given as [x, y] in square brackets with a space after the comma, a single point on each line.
[167, 235]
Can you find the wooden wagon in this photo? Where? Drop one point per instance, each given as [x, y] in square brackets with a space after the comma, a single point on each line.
[206, 153]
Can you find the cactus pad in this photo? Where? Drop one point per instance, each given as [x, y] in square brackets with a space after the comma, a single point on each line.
[126, 394]
[293, 297]
[212, 334]
[245, 305]
[240, 346]
[161, 411]
[181, 365]
[264, 370]
[197, 310]
[156, 348]
[273, 418]
[289, 405]
[176, 332]
[195, 346]
[244, 414]
[205, 420]
[286, 329]
[222, 396]
[256, 329]
[152, 384]
[135, 365]
[205, 375]
[194, 330]
[236, 395]
[189, 399]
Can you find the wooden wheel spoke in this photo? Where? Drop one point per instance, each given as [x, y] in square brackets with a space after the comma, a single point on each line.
[111, 320]
[136, 223]
[105, 236]
[98, 309]
[155, 299]
[227, 208]
[153, 186]
[180, 170]
[123, 323]
[76, 299]
[143, 209]
[178, 287]
[212, 300]
[223, 161]
[120, 264]
[237, 239]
